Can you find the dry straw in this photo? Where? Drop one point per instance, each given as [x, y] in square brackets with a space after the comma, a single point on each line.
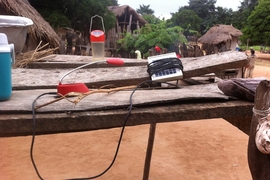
[24, 59]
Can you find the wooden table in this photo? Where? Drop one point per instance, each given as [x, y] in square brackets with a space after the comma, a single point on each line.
[151, 105]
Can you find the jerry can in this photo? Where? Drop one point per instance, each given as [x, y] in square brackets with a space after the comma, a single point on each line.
[7, 58]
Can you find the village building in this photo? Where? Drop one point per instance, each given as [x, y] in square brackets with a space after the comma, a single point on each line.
[127, 21]
[220, 38]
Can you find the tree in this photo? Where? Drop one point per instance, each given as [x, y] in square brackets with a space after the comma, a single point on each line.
[244, 10]
[127, 43]
[151, 19]
[223, 15]
[257, 28]
[205, 9]
[145, 9]
[77, 12]
[114, 3]
[187, 19]
[159, 34]
[58, 20]
[150, 35]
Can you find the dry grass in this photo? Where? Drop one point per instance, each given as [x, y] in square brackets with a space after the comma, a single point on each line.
[24, 59]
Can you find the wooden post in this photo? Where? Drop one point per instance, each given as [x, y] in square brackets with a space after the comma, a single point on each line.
[259, 163]
[149, 151]
[63, 45]
[129, 24]
[138, 27]
[125, 20]
[119, 32]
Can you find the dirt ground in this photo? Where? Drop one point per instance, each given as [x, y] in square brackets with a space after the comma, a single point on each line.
[192, 150]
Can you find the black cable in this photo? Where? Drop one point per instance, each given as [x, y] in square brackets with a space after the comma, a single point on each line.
[164, 64]
[119, 141]
[34, 130]
[121, 135]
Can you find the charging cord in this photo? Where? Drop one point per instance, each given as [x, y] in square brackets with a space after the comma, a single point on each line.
[34, 131]
[119, 141]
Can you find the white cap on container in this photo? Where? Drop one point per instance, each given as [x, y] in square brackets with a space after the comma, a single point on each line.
[3, 39]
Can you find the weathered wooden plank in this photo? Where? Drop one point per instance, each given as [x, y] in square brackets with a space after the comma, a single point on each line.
[122, 76]
[73, 61]
[21, 101]
[14, 125]
[214, 63]
[93, 77]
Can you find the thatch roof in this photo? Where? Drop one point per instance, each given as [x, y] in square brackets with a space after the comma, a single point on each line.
[40, 30]
[220, 33]
[121, 11]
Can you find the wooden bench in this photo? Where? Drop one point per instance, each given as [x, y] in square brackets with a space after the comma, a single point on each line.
[108, 110]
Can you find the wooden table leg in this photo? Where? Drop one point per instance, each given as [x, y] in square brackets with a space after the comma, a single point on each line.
[259, 163]
[149, 151]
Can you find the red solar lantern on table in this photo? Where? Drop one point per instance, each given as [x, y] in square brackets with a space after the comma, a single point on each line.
[64, 89]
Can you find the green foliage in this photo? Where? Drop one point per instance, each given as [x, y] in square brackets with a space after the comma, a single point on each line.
[58, 20]
[114, 3]
[201, 15]
[223, 16]
[78, 12]
[187, 19]
[145, 9]
[203, 8]
[240, 17]
[151, 19]
[150, 35]
[245, 48]
[257, 27]
[127, 43]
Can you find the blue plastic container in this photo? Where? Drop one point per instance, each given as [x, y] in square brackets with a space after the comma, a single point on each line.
[7, 57]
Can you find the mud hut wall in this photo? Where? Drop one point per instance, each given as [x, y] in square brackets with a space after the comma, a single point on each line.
[111, 40]
[234, 43]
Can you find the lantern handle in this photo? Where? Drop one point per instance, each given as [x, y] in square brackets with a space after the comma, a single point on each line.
[101, 22]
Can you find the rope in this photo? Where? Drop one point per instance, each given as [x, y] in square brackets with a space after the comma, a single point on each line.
[261, 112]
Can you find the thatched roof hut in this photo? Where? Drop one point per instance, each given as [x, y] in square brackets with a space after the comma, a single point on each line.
[39, 31]
[222, 36]
[124, 12]
[220, 33]
[127, 20]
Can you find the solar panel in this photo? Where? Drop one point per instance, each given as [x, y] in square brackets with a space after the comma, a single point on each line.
[167, 74]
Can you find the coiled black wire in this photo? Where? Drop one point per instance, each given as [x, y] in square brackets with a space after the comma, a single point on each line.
[164, 64]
